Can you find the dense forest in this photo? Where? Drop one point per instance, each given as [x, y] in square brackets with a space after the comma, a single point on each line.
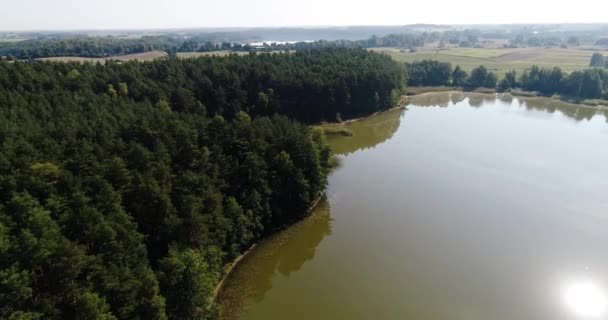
[310, 86]
[125, 188]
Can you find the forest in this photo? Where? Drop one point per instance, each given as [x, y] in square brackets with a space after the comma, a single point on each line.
[125, 188]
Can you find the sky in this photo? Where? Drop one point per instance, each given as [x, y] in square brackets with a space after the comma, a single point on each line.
[146, 14]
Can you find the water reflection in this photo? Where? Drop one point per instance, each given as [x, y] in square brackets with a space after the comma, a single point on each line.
[441, 99]
[370, 132]
[573, 111]
[279, 255]
[585, 299]
[367, 133]
[577, 112]
[479, 100]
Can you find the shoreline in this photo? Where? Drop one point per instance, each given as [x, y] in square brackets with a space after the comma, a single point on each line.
[513, 93]
[400, 105]
[231, 266]
[558, 98]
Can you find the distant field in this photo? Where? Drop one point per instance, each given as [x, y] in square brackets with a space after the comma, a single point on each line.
[500, 60]
[11, 39]
[144, 56]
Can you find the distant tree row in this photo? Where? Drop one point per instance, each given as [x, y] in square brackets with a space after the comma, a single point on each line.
[598, 61]
[435, 73]
[400, 40]
[95, 47]
[587, 84]
[392, 40]
[602, 42]
[67, 44]
[530, 38]
[99, 47]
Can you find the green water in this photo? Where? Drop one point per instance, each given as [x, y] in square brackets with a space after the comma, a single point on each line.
[461, 207]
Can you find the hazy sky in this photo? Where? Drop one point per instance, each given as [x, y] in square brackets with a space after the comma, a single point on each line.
[113, 14]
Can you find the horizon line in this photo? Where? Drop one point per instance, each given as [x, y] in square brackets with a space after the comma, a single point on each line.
[292, 27]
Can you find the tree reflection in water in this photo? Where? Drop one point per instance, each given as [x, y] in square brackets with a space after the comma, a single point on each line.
[279, 255]
[576, 112]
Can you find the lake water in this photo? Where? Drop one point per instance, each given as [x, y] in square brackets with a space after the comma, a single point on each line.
[464, 206]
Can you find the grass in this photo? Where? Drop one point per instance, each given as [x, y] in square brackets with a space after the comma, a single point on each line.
[337, 129]
[499, 60]
[520, 93]
[485, 90]
[411, 91]
[595, 102]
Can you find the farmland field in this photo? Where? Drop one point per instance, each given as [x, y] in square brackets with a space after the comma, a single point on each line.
[499, 60]
[144, 56]
[12, 39]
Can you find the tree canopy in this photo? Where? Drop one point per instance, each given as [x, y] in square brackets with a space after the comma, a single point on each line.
[597, 60]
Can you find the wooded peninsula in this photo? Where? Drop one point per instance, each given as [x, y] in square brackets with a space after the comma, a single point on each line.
[125, 188]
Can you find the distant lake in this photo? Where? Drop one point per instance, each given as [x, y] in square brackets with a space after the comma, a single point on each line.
[464, 206]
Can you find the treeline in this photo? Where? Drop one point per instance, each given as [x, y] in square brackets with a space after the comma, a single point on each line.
[587, 84]
[124, 188]
[435, 73]
[391, 40]
[69, 44]
[542, 40]
[94, 47]
[209, 46]
[412, 40]
[99, 47]
[598, 60]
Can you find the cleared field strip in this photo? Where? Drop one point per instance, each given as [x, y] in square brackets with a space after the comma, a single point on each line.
[144, 56]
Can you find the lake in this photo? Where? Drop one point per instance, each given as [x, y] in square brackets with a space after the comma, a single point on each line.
[464, 206]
